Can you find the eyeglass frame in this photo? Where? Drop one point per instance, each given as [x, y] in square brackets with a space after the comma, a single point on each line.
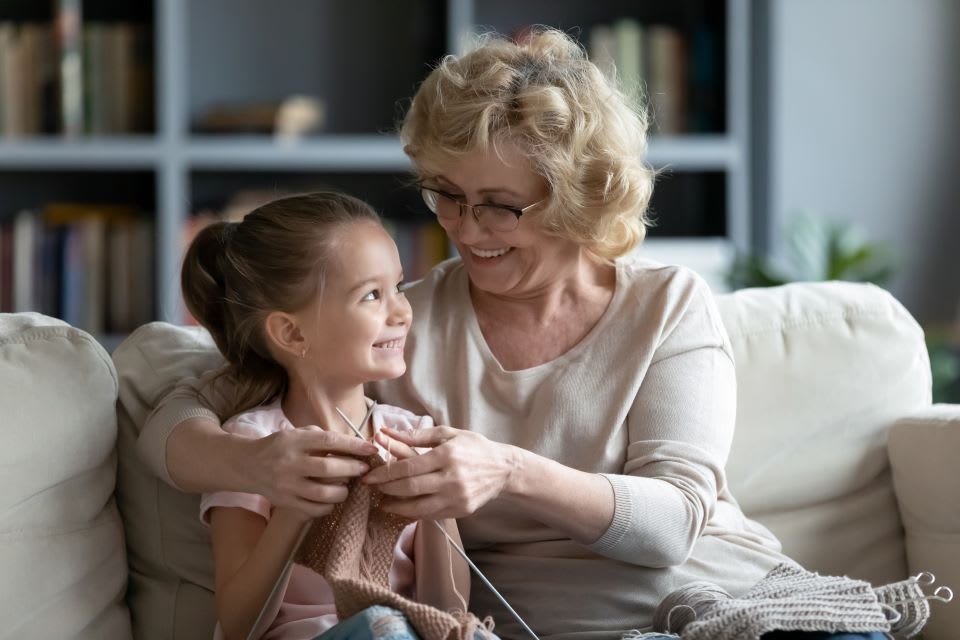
[516, 211]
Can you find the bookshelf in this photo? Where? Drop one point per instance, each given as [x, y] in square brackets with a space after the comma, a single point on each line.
[213, 52]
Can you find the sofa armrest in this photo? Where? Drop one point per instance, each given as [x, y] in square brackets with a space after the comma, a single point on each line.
[924, 451]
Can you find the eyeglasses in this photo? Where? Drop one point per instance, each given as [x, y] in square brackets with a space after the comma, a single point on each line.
[496, 217]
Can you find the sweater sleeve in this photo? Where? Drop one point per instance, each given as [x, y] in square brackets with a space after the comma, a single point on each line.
[680, 429]
[205, 397]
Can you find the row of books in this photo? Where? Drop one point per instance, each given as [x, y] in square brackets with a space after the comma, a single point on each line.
[74, 78]
[90, 265]
[676, 72]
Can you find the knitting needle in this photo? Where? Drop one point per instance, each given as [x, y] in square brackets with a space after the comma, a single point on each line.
[456, 547]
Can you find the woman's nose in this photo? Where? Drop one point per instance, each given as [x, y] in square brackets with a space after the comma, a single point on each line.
[469, 227]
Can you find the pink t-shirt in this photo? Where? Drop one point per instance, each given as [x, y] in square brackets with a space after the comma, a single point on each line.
[308, 609]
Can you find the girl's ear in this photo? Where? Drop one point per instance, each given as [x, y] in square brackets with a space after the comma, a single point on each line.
[283, 332]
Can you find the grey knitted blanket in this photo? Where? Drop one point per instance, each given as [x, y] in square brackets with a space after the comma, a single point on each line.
[789, 598]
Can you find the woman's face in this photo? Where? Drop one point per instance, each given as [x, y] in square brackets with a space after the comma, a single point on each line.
[514, 263]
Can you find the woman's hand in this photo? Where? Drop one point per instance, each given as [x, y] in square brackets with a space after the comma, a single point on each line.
[307, 469]
[460, 473]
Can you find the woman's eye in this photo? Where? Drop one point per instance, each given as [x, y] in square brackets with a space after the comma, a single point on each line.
[373, 295]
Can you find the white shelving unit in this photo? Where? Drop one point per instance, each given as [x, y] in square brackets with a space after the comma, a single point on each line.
[175, 155]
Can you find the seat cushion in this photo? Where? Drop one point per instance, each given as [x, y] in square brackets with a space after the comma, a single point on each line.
[62, 554]
[171, 563]
[823, 371]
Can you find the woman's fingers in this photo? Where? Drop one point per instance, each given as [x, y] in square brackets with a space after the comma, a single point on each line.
[323, 492]
[394, 447]
[423, 437]
[432, 507]
[412, 466]
[418, 485]
[294, 462]
[331, 467]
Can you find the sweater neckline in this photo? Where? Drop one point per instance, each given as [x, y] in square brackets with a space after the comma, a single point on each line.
[473, 326]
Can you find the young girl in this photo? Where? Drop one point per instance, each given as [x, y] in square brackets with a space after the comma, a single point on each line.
[304, 298]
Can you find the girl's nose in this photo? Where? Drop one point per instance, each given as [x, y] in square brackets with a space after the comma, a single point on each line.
[400, 311]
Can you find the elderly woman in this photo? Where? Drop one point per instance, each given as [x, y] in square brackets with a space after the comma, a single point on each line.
[591, 395]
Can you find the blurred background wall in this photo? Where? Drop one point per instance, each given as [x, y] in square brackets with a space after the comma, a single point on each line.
[864, 125]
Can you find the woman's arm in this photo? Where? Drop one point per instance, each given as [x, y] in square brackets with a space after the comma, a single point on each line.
[652, 511]
[464, 470]
[249, 556]
[183, 443]
[442, 575]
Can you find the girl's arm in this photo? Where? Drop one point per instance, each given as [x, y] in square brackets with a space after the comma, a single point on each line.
[442, 575]
[249, 556]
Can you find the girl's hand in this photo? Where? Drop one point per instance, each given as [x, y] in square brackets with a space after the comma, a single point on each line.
[460, 473]
[307, 469]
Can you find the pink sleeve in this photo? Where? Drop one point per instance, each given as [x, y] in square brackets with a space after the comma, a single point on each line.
[403, 576]
[254, 424]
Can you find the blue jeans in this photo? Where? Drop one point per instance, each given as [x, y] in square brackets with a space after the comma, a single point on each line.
[804, 635]
[383, 623]
[374, 623]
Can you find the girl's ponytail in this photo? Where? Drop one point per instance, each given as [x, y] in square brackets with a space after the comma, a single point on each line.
[203, 283]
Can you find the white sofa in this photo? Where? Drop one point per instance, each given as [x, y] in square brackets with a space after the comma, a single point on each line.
[837, 450]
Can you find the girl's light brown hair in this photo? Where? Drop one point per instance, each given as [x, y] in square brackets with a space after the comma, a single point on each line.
[235, 274]
[578, 130]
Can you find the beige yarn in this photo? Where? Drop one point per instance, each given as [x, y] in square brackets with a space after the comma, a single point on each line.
[352, 549]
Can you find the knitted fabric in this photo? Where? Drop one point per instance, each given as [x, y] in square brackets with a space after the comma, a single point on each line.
[352, 548]
[909, 602]
[790, 599]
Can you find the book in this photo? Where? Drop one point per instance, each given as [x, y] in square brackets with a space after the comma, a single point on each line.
[25, 239]
[69, 28]
[602, 48]
[6, 267]
[667, 79]
[630, 37]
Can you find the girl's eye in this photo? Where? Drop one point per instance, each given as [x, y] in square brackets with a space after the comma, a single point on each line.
[370, 297]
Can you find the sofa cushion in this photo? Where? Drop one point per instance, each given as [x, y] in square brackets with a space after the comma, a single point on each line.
[823, 371]
[61, 538]
[924, 449]
[171, 564]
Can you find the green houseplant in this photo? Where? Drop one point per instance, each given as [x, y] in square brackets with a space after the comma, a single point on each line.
[820, 249]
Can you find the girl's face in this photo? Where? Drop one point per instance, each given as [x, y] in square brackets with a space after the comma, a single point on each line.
[514, 263]
[357, 329]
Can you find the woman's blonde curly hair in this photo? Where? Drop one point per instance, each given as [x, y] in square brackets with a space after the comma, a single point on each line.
[576, 127]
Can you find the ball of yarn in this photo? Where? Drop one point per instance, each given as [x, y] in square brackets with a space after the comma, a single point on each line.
[685, 605]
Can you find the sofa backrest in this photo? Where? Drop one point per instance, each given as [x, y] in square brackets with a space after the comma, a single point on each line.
[171, 567]
[823, 371]
[61, 540]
